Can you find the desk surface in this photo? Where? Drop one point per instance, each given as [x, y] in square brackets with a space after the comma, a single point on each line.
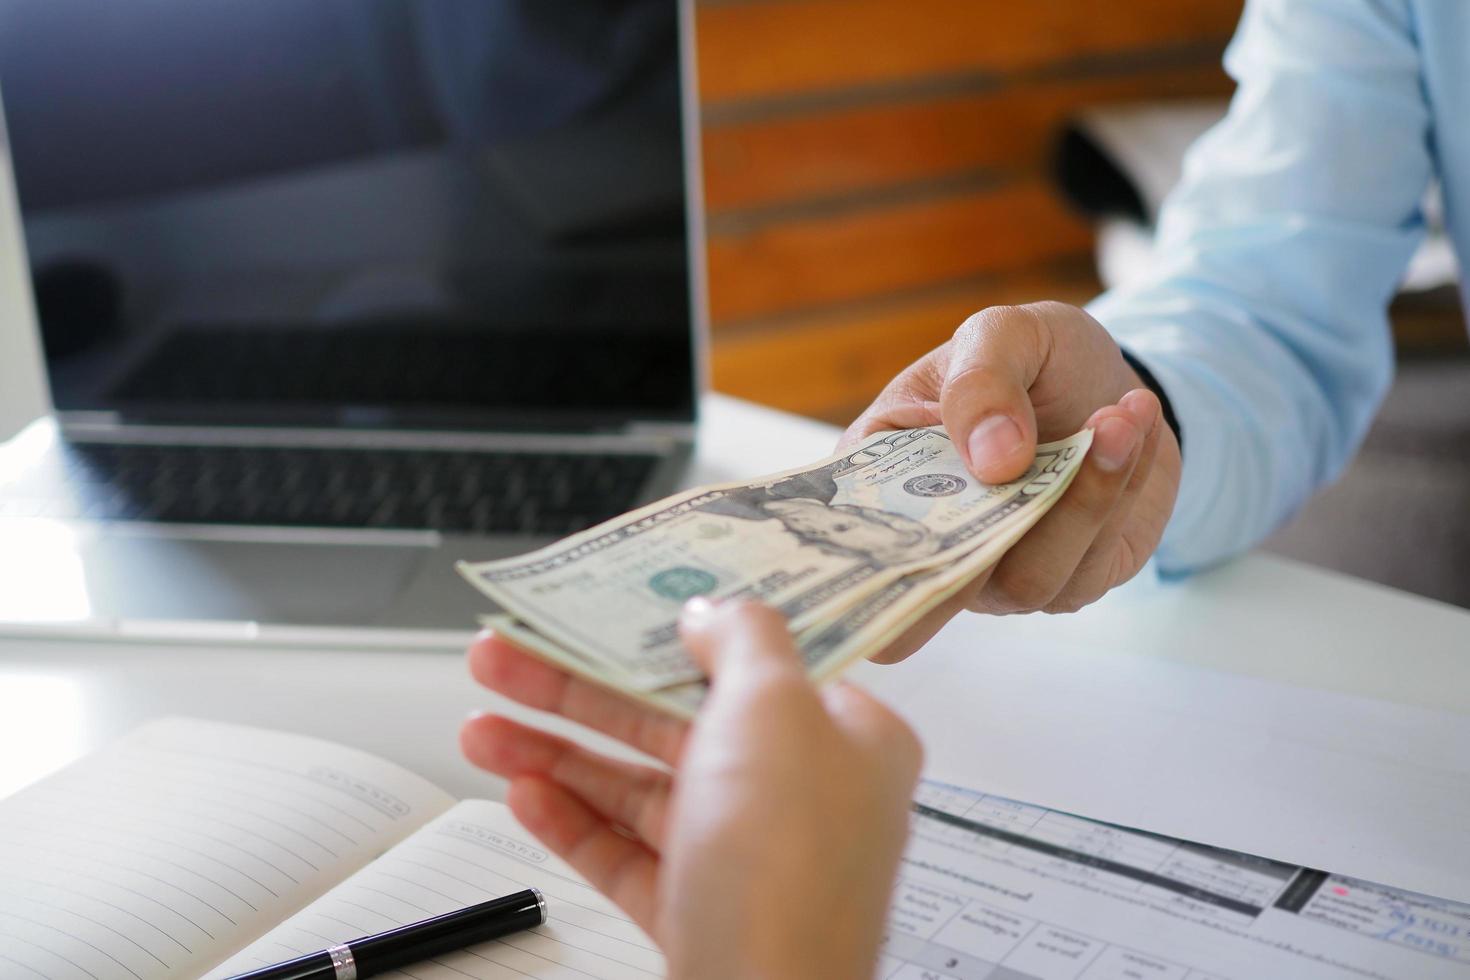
[1259, 617]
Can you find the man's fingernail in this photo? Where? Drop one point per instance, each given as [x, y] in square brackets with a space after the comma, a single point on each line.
[1112, 444]
[994, 438]
[1140, 404]
[697, 611]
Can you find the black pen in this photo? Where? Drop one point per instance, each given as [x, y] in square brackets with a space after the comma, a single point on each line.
[372, 955]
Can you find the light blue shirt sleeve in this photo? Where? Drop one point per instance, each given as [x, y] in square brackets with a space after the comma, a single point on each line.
[1265, 316]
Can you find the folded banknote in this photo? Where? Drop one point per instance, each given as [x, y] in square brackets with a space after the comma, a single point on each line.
[853, 550]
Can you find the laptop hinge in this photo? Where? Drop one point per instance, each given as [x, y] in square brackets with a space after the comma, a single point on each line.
[107, 427]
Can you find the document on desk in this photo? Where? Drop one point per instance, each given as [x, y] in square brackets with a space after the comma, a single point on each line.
[992, 889]
[1368, 788]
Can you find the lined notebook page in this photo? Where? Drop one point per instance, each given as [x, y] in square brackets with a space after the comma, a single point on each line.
[473, 853]
[161, 855]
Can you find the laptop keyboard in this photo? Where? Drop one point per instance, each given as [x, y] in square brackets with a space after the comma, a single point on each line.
[450, 491]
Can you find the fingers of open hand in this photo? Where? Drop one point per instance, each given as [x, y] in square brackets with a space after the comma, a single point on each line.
[1034, 572]
[630, 796]
[623, 869]
[506, 669]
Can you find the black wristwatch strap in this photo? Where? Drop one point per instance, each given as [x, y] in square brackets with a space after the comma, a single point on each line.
[1158, 389]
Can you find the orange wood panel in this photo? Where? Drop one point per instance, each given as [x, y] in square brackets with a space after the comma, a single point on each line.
[805, 262]
[779, 47]
[767, 161]
[834, 364]
[831, 365]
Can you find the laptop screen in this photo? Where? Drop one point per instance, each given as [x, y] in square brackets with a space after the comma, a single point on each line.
[355, 212]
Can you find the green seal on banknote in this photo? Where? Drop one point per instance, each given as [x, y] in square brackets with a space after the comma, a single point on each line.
[935, 485]
[682, 583]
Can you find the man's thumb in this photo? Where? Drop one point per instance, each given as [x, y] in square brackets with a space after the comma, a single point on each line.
[985, 400]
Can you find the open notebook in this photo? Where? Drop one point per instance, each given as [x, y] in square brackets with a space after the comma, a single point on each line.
[191, 848]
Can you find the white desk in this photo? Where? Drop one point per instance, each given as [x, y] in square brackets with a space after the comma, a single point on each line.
[61, 699]
[1300, 636]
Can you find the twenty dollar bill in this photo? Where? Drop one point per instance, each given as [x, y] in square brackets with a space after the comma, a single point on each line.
[852, 548]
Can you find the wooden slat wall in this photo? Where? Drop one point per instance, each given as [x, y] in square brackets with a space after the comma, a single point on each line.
[875, 170]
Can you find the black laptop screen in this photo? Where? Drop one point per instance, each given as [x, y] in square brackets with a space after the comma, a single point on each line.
[375, 212]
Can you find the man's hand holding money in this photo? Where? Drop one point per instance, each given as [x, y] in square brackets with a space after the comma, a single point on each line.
[941, 499]
[1014, 376]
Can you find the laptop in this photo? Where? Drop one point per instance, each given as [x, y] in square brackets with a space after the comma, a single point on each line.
[334, 294]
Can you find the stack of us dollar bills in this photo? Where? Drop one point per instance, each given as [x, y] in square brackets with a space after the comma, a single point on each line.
[853, 550]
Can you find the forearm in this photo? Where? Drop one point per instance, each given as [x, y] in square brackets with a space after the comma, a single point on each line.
[1263, 316]
[1260, 426]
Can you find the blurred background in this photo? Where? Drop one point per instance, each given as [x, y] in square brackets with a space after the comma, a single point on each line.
[876, 171]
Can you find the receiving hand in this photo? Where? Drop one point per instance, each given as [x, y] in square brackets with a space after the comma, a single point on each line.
[1016, 376]
[771, 849]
